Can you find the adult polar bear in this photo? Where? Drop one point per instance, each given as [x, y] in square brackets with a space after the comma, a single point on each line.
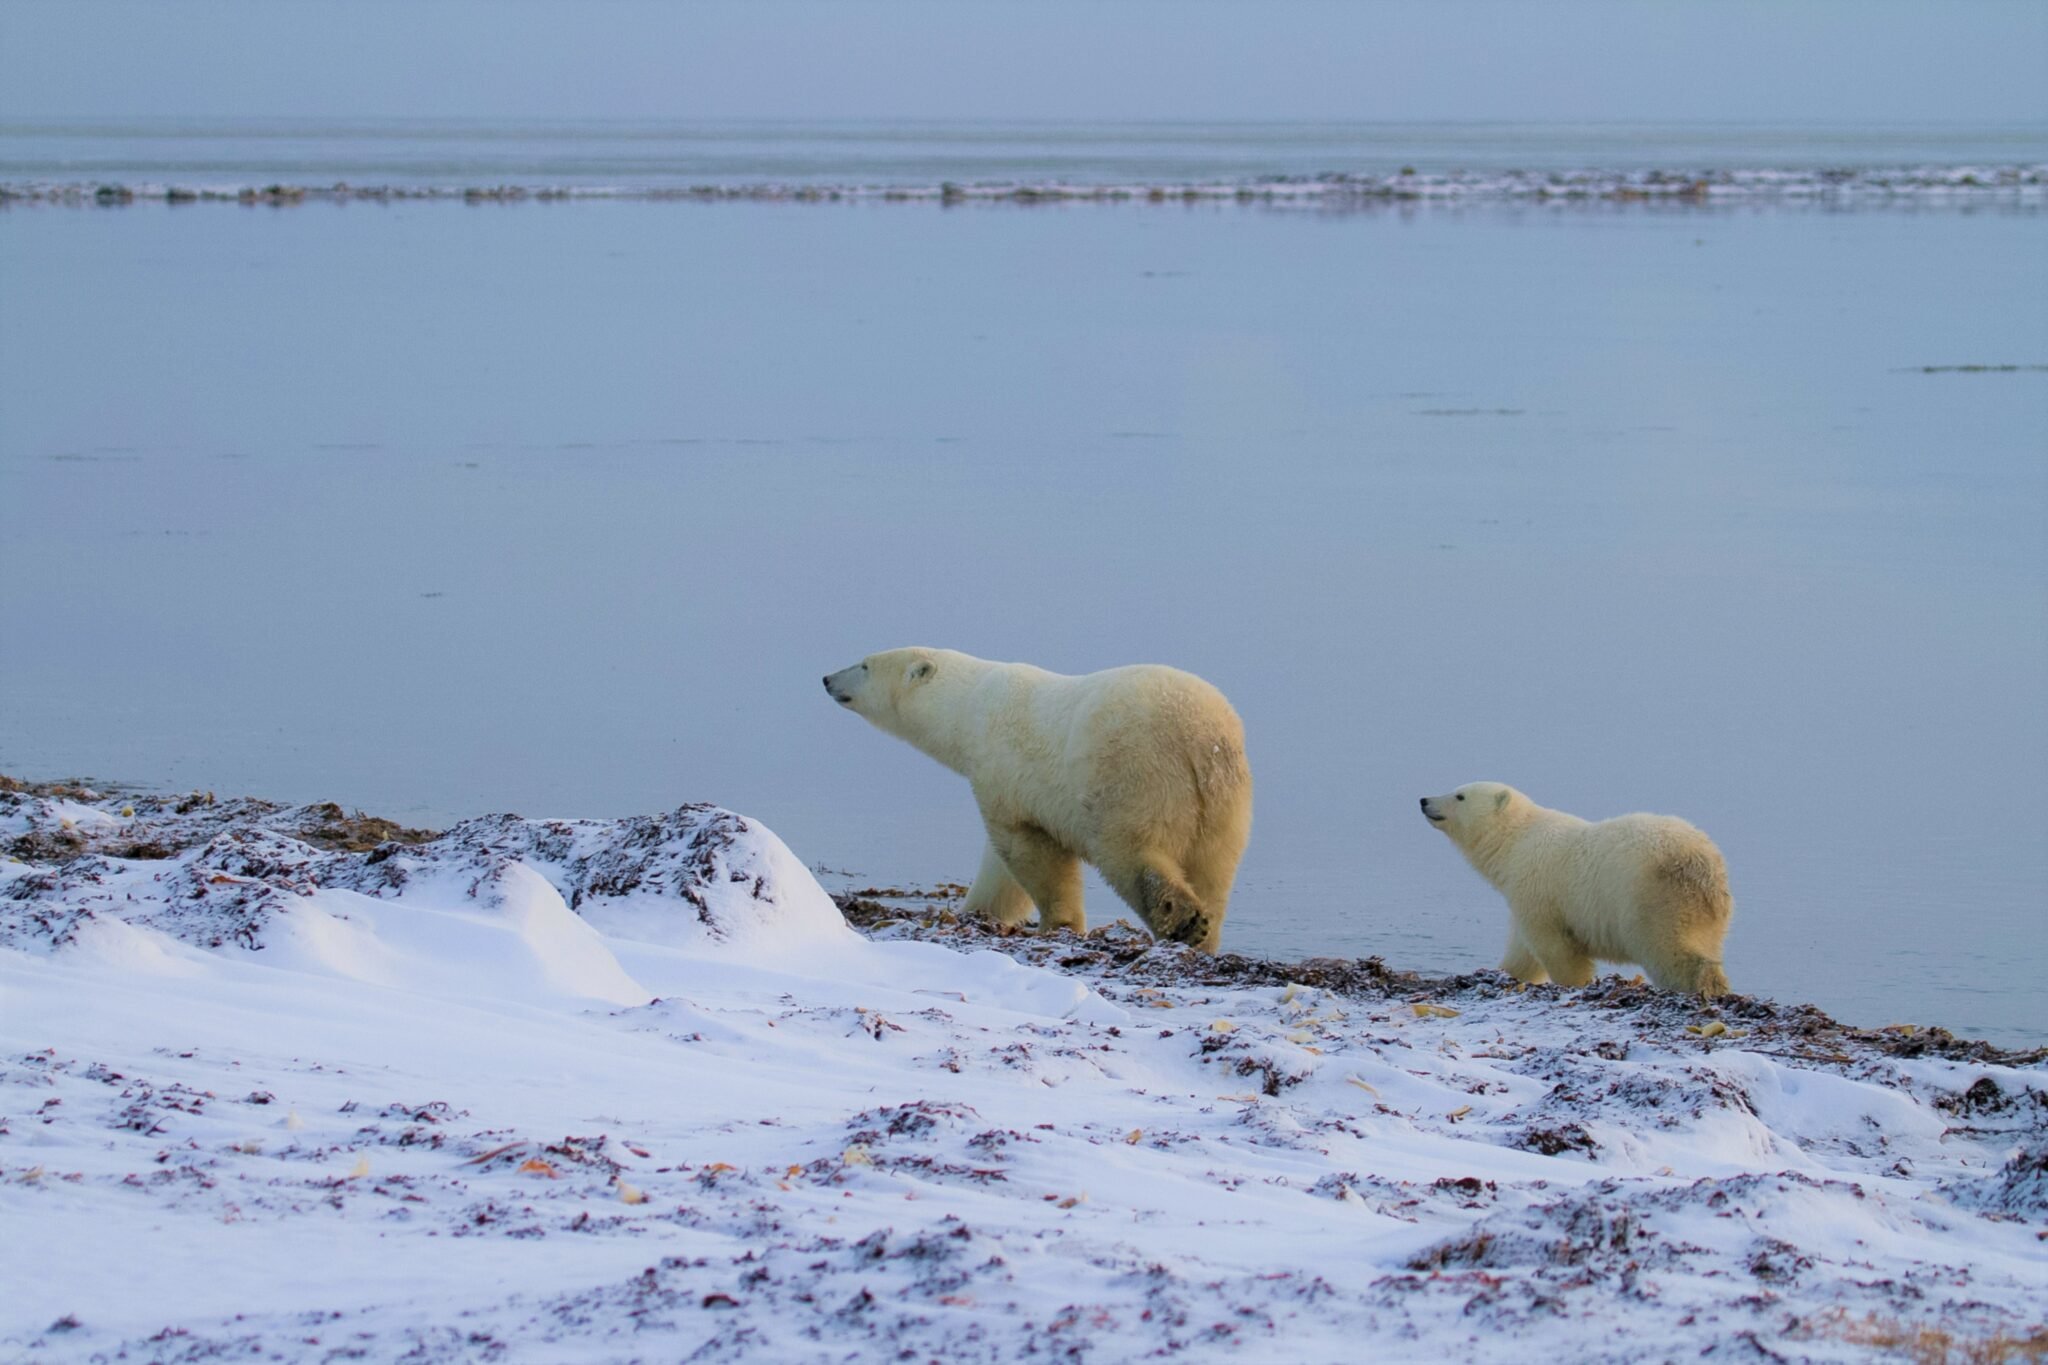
[1139, 771]
[1649, 889]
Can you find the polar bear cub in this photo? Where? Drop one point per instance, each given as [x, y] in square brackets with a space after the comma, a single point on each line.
[1139, 771]
[1648, 889]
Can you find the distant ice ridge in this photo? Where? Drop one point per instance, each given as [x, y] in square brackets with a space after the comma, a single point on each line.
[2016, 185]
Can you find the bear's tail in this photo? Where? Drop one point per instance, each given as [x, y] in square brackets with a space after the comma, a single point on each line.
[1701, 880]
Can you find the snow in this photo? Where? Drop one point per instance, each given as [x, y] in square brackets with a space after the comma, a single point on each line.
[602, 1090]
[2021, 183]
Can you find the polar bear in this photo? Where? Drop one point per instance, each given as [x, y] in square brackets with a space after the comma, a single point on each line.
[1648, 889]
[1140, 771]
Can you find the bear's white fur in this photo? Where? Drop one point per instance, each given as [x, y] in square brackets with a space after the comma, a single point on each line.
[1140, 771]
[1647, 889]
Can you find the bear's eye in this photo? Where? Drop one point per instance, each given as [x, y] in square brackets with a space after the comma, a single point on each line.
[1461, 796]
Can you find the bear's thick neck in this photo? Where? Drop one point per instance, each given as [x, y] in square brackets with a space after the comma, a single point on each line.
[944, 722]
[1487, 849]
[947, 743]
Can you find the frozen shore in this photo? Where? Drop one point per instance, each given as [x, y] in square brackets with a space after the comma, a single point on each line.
[287, 1082]
[2017, 184]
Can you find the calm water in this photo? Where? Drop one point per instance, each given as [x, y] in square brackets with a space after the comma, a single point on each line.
[564, 509]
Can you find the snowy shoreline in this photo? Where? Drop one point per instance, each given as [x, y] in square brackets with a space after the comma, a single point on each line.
[2018, 185]
[288, 1081]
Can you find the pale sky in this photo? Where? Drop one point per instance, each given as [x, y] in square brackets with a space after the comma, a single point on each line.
[1858, 61]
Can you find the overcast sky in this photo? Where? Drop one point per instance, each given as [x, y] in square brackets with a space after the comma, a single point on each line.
[1864, 61]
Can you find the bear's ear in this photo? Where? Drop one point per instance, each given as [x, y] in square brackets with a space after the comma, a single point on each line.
[921, 670]
[1500, 798]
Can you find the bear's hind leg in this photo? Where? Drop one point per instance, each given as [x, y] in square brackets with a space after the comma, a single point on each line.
[995, 895]
[1562, 956]
[1687, 900]
[1688, 973]
[1048, 874]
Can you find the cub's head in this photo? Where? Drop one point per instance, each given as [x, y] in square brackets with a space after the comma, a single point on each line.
[1471, 808]
[887, 688]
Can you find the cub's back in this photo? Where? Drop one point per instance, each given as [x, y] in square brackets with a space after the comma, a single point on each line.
[1662, 849]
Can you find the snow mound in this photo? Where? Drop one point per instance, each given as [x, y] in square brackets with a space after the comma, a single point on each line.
[2020, 1115]
[224, 874]
[698, 877]
[2020, 1188]
[525, 944]
[51, 824]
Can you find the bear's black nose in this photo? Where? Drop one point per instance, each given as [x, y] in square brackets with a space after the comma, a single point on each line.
[828, 682]
[1425, 803]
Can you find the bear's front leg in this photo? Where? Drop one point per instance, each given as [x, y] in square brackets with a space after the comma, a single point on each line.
[995, 895]
[1173, 912]
[1521, 962]
[1049, 874]
[1562, 956]
[1169, 907]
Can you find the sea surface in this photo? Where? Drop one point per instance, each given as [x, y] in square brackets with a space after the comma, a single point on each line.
[1732, 504]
